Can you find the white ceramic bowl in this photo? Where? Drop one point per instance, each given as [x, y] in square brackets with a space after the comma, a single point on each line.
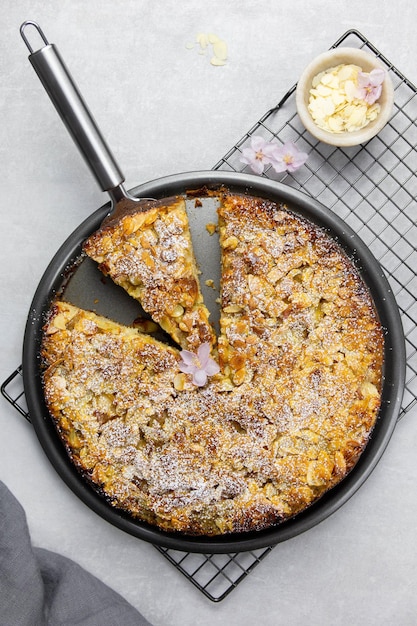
[327, 60]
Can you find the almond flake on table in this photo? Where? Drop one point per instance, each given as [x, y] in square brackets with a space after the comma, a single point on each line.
[218, 47]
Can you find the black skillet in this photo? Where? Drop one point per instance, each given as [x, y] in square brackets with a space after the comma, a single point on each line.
[77, 279]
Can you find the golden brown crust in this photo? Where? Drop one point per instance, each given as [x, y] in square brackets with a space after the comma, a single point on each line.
[288, 416]
[149, 253]
[289, 295]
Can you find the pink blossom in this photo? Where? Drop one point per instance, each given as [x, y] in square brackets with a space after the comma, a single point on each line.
[200, 365]
[259, 154]
[370, 85]
[282, 158]
[288, 158]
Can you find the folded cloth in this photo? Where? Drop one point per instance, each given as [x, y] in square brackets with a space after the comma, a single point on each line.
[42, 588]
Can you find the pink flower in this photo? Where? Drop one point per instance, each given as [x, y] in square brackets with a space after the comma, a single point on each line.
[288, 158]
[282, 158]
[370, 85]
[200, 365]
[258, 155]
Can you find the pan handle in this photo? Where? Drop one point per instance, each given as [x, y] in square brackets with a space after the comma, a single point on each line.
[73, 110]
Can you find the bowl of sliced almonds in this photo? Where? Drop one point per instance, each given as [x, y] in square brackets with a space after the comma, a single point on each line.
[345, 97]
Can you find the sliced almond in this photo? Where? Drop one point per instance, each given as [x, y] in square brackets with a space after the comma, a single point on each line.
[216, 61]
[220, 49]
[202, 39]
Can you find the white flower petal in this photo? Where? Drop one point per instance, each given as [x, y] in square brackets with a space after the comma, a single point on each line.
[187, 357]
[257, 166]
[257, 143]
[376, 77]
[203, 353]
[212, 367]
[199, 378]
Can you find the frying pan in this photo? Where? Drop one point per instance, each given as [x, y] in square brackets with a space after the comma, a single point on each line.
[73, 276]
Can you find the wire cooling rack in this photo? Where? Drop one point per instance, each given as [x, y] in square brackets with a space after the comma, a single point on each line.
[373, 188]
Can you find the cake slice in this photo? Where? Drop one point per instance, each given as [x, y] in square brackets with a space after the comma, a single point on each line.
[106, 387]
[291, 301]
[171, 458]
[149, 253]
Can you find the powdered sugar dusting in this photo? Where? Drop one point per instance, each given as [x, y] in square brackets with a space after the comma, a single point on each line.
[300, 351]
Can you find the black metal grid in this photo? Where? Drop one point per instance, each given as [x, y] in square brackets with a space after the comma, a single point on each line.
[12, 389]
[373, 188]
[215, 575]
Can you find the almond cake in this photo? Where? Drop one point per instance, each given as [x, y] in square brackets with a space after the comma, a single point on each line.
[149, 253]
[300, 351]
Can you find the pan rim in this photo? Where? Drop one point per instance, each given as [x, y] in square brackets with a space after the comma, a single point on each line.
[395, 361]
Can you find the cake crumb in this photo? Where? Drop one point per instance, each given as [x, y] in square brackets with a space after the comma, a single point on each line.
[211, 228]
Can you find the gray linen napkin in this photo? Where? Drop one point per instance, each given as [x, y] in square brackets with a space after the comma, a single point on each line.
[42, 588]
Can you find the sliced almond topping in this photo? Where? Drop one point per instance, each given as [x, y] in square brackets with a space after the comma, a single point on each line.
[178, 311]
